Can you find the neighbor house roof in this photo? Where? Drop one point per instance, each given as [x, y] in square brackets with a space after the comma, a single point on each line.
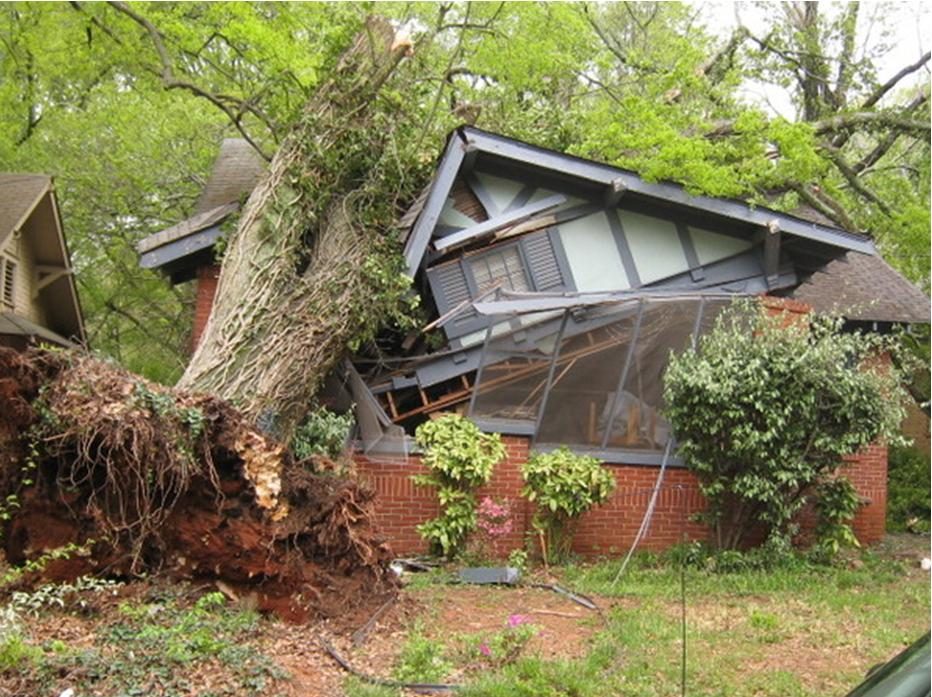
[19, 195]
[234, 175]
[28, 206]
[864, 287]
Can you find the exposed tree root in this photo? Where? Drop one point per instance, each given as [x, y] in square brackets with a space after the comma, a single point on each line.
[166, 480]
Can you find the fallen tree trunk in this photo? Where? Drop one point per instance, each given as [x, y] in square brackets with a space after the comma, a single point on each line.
[146, 479]
[309, 269]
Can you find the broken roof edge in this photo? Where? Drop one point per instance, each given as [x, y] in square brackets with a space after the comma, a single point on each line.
[469, 139]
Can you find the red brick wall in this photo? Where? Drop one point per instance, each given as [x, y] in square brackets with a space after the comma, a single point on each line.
[204, 298]
[608, 529]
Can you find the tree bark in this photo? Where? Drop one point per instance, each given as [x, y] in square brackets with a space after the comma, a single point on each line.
[303, 273]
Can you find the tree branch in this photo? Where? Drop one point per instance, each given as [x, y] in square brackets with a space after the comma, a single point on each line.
[852, 178]
[891, 83]
[167, 75]
[879, 119]
[884, 145]
[825, 205]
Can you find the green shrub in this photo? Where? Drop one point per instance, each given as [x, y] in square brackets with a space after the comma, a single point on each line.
[564, 486]
[837, 501]
[460, 459]
[908, 490]
[323, 432]
[422, 659]
[765, 407]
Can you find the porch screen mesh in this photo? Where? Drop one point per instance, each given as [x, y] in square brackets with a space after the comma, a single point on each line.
[606, 380]
[587, 371]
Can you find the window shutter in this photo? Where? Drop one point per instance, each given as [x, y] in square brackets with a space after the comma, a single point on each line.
[450, 288]
[545, 269]
[8, 273]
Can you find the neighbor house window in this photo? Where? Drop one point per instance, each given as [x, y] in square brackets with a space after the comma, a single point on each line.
[7, 280]
[502, 268]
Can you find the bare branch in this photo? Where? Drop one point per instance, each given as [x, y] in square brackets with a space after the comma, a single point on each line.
[167, 75]
[870, 119]
[892, 82]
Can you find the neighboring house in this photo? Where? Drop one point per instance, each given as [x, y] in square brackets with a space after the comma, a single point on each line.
[558, 287]
[38, 297]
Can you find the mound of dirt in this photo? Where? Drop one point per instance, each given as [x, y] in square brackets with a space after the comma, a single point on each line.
[148, 479]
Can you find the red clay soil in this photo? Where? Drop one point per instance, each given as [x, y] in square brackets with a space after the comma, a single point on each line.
[116, 461]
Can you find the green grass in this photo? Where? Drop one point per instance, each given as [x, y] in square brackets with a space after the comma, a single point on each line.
[794, 630]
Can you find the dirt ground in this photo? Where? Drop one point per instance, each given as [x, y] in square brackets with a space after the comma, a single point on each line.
[453, 613]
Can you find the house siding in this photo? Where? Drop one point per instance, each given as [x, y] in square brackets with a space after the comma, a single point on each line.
[607, 529]
[25, 304]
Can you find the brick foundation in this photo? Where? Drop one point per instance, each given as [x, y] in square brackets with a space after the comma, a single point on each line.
[608, 529]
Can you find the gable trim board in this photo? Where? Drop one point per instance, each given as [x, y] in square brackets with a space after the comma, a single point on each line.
[44, 279]
[605, 176]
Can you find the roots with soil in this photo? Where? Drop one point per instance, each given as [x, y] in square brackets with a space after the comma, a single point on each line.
[151, 479]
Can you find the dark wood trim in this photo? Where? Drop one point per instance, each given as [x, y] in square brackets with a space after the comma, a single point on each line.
[621, 241]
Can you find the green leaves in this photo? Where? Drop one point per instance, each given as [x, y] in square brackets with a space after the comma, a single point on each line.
[460, 459]
[766, 406]
[564, 486]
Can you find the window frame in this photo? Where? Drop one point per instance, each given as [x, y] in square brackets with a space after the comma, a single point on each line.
[468, 325]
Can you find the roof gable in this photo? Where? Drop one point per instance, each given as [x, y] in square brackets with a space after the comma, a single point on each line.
[28, 206]
[466, 145]
[19, 195]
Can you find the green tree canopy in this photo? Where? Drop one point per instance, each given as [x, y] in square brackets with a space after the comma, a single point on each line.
[126, 103]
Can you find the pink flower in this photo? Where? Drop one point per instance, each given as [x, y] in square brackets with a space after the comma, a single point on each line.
[515, 620]
[485, 650]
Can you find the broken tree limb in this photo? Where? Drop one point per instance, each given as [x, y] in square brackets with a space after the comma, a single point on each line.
[308, 270]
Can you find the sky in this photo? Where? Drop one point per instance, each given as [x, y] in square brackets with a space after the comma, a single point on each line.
[899, 31]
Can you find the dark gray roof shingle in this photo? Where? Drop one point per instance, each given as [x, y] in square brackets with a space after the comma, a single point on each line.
[864, 287]
[18, 196]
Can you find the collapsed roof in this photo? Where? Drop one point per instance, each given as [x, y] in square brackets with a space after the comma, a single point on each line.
[557, 287]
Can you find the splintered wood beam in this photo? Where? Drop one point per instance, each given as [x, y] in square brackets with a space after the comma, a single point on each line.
[772, 253]
[495, 224]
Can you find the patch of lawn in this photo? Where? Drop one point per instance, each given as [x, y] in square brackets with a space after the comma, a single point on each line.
[795, 629]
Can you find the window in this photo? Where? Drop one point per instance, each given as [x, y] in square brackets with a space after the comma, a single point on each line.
[503, 268]
[7, 280]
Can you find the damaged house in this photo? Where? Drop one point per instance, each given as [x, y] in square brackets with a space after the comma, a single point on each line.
[557, 288]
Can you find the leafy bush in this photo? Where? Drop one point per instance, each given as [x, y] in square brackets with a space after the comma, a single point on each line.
[836, 503]
[564, 486]
[422, 659]
[765, 407]
[908, 490]
[460, 459]
[323, 432]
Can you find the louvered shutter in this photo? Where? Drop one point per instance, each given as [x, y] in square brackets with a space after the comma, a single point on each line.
[545, 269]
[449, 286]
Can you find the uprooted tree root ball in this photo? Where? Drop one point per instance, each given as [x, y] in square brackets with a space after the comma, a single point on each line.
[144, 479]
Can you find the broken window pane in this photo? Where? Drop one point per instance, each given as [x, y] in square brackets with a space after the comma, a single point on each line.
[513, 379]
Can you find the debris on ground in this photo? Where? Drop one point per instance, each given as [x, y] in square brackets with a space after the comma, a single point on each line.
[141, 478]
